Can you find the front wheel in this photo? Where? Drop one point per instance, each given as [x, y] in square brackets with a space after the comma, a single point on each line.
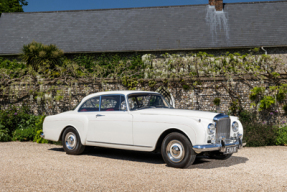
[71, 142]
[176, 151]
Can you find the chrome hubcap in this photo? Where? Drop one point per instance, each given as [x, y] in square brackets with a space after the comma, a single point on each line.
[71, 140]
[175, 151]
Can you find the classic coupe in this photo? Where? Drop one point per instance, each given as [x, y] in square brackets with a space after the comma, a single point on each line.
[144, 121]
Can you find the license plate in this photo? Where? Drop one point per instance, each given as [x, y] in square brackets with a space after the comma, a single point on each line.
[230, 150]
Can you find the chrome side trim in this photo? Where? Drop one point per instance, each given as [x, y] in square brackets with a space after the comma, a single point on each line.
[119, 144]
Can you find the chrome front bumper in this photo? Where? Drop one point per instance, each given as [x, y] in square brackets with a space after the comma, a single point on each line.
[220, 146]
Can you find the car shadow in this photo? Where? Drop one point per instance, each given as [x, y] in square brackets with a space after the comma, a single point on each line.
[201, 162]
[204, 162]
[138, 156]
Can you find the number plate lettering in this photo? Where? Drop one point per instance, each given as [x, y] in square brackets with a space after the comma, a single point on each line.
[230, 150]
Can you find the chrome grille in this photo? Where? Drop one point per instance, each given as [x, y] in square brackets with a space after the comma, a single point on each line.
[223, 128]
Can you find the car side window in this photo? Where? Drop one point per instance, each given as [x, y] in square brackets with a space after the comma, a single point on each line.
[132, 103]
[92, 104]
[113, 103]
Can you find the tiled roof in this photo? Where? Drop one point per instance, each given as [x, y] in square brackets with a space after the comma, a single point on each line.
[149, 29]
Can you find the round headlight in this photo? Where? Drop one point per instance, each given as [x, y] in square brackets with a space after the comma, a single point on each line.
[211, 129]
[235, 126]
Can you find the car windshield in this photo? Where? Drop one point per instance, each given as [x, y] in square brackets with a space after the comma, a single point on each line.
[142, 101]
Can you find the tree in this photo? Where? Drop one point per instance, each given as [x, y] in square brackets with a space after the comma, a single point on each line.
[12, 5]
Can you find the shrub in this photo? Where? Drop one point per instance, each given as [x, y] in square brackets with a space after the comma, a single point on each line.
[14, 117]
[33, 121]
[185, 87]
[282, 136]
[234, 107]
[39, 129]
[39, 122]
[7, 64]
[4, 134]
[38, 138]
[18, 124]
[24, 134]
[37, 54]
[216, 101]
[86, 61]
[29, 128]
[257, 133]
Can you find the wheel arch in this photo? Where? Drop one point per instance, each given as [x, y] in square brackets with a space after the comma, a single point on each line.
[165, 133]
[62, 132]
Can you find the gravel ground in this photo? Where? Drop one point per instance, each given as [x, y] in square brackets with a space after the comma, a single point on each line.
[43, 167]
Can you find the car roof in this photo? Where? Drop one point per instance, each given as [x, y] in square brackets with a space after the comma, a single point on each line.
[115, 92]
[125, 92]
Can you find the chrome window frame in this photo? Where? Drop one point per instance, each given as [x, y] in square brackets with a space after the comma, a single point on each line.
[150, 93]
[112, 95]
[85, 102]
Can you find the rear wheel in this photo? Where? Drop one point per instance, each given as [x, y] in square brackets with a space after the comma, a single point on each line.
[176, 151]
[71, 142]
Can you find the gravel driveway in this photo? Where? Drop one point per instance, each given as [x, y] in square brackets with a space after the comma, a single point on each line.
[43, 167]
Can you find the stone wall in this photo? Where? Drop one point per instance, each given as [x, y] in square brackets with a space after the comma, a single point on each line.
[200, 98]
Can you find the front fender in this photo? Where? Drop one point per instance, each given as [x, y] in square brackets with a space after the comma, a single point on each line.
[148, 129]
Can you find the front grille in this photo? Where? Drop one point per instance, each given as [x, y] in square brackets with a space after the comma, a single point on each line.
[223, 128]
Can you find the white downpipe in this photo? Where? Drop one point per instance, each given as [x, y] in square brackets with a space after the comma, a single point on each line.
[264, 50]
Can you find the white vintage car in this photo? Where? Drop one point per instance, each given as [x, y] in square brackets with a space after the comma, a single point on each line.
[147, 123]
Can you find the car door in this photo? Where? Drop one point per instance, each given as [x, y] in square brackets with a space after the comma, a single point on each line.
[112, 124]
[90, 109]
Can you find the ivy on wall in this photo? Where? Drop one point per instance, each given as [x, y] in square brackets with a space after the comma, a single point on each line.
[45, 65]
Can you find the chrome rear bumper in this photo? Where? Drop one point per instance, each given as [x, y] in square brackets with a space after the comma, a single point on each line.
[220, 146]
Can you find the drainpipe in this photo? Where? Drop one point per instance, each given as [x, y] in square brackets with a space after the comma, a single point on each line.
[266, 66]
[264, 50]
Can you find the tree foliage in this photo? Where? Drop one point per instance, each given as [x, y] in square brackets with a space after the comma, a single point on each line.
[7, 6]
[37, 54]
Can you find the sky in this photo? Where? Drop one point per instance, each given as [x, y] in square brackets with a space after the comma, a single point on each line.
[60, 5]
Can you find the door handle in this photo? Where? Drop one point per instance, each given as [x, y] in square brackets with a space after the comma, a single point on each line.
[99, 115]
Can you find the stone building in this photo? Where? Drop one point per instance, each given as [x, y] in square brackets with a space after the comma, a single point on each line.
[216, 26]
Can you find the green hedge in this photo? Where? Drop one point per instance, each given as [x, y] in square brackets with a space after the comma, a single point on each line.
[19, 124]
[282, 136]
[260, 133]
